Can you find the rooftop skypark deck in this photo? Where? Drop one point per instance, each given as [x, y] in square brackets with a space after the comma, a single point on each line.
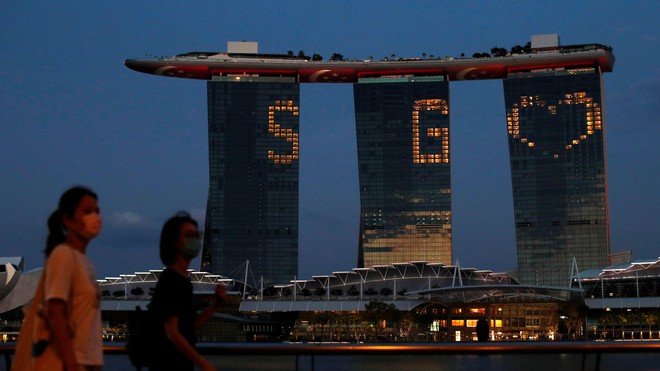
[206, 65]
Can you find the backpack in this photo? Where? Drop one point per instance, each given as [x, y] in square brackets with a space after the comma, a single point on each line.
[143, 337]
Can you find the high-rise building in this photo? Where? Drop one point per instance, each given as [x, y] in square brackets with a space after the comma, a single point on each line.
[558, 170]
[252, 211]
[404, 168]
[554, 111]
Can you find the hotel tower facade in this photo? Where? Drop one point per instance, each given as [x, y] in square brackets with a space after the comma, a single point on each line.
[555, 127]
[252, 211]
[404, 168]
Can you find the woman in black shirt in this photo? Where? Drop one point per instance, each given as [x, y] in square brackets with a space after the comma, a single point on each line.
[172, 302]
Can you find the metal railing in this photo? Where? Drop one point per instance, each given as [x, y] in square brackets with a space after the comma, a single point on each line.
[305, 356]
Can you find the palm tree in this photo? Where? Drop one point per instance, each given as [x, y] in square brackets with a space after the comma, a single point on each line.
[651, 319]
[607, 319]
[622, 319]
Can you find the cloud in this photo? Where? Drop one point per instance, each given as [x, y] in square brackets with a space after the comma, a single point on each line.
[128, 219]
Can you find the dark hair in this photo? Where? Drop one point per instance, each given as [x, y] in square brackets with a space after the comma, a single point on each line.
[69, 201]
[170, 235]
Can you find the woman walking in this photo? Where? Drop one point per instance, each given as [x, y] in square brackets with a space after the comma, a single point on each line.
[172, 302]
[71, 295]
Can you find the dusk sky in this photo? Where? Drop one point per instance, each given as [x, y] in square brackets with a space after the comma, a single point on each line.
[72, 113]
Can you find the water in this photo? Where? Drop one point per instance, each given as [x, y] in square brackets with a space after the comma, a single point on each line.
[503, 362]
[426, 362]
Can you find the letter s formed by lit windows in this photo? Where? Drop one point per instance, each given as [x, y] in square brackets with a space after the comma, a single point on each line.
[275, 128]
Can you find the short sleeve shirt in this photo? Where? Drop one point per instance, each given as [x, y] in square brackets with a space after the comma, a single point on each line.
[70, 277]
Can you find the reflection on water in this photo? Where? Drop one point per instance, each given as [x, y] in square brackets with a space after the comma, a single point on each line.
[439, 362]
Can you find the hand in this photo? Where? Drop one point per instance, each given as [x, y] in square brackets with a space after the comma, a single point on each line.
[220, 295]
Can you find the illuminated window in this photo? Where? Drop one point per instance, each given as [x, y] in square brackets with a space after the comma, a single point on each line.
[278, 132]
[457, 323]
[592, 114]
[443, 133]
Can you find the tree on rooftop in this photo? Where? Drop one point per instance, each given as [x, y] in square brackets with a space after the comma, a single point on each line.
[336, 57]
[498, 52]
[386, 291]
[516, 49]
[137, 291]
[337, 292]
[370, 292]
[319, 291]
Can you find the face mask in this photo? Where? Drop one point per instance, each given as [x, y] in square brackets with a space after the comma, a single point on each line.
[92, 225]
[192, 248]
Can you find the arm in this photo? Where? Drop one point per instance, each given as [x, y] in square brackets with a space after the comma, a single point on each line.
[60, 332]
[218, 301]
[173, 334]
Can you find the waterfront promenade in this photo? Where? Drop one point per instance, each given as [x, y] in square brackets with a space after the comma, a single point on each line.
[539, 356]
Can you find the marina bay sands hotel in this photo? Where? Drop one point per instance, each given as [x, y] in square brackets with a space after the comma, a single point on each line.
[554, 122]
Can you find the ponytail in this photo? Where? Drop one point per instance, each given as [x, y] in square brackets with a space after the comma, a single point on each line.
[56, 233]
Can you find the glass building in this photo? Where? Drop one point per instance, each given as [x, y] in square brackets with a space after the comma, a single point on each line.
[252, 211]
[559, 174]
[404, 170]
